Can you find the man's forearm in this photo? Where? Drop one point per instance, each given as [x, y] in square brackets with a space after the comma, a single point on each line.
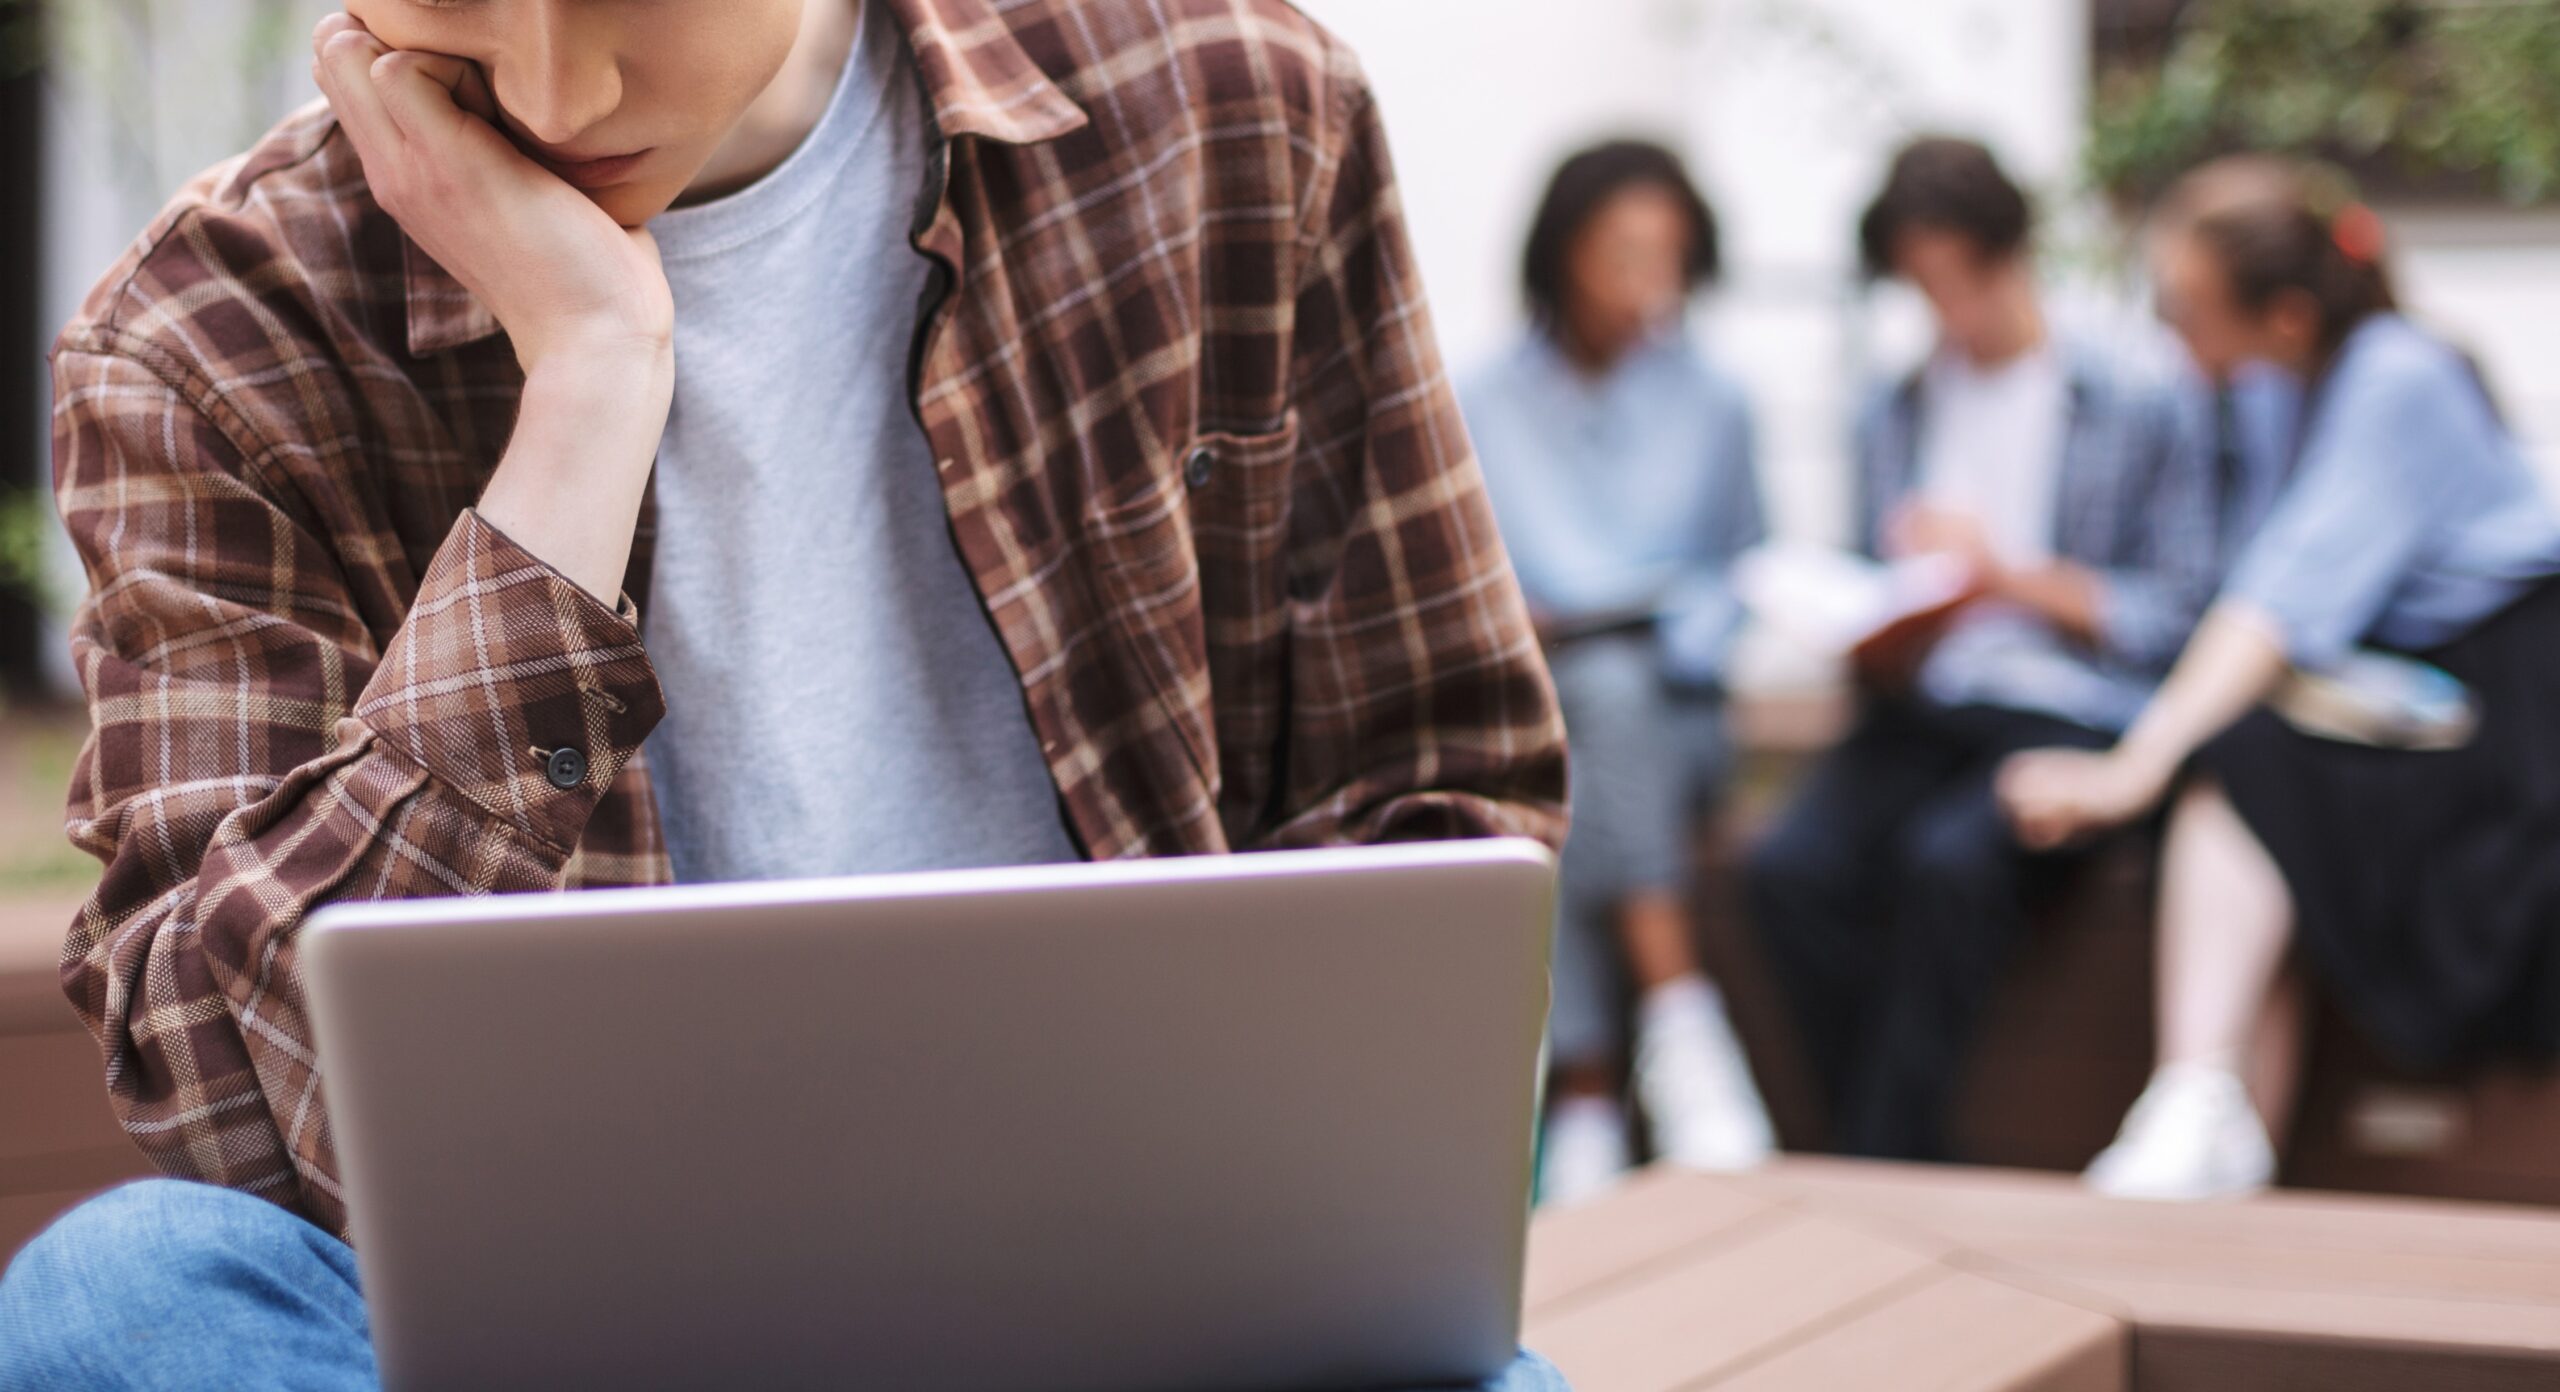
[570, 486]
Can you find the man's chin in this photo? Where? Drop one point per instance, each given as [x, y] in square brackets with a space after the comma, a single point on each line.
[632, 205]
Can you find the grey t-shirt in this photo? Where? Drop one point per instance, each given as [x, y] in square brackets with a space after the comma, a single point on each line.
[837, 701]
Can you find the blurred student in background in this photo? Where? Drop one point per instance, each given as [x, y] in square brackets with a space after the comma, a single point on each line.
[1620, 461]
[2074, 488]
[2420, 887]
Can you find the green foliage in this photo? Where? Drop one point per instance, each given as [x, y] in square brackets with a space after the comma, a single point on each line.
[26, 539]
[39, 747]
[2465, 91]
[21, 37]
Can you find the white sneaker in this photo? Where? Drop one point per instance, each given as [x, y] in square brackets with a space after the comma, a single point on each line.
[1696, 1090]
[2194, 1135]
[1586, 1150]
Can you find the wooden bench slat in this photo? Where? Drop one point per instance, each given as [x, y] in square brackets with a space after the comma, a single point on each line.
[31, 999]
[1781, 1278]
[53, 1095]
[1999, 1210]
[1957, 1333]
[2451, 1326]
[2243, 1265]
[2172, 1360]
[2430, 1293]
[1650, 1217]
[92, 1168]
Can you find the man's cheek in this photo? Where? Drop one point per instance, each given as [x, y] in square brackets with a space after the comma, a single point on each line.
[386, 22]
[401, 26]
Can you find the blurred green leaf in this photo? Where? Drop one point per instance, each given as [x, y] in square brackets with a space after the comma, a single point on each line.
[2461, 89]
[26, 536]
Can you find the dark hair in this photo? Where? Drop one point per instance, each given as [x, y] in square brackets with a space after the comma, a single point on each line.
[2276, 226]
[1583, 185]
[1948, 185]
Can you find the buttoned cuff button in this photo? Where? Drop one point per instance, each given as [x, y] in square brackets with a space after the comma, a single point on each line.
[566, 768]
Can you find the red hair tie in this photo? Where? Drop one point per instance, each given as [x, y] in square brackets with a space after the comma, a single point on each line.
[2358, 231]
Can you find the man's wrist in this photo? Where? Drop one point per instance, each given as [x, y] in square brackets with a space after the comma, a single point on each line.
[622, 333]
[602, 367]
[587, 432]
[596, 413]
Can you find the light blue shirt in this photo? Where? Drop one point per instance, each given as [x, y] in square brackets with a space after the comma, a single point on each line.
[1631, 491]
[2411, 515]
[2262, 416]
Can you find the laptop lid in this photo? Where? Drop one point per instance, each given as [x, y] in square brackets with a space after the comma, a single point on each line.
[1215, 1125]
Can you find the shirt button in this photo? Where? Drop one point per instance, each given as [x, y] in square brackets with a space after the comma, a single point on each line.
[566, 769]
[1202, 464]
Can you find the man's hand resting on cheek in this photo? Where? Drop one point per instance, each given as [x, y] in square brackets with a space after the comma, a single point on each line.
[550, 264]
[583, 300]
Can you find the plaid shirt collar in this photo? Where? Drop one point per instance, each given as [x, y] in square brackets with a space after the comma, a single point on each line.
[977, 82]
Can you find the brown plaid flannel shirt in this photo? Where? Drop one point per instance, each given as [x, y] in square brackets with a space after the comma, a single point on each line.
[1193, 433]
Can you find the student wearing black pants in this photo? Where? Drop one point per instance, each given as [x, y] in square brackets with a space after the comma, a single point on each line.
[2077, 493]
[1902, 892]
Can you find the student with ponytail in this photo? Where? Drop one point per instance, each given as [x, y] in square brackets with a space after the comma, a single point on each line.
[2409, 870]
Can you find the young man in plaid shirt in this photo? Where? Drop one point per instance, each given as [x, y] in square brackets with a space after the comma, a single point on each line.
[628, 440]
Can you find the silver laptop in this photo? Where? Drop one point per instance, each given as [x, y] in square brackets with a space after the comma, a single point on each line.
[1236, 1124]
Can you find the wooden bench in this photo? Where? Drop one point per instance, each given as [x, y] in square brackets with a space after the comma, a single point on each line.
[59, 1142]
[1831, 1274]
[2293, 1290]
[1679, 1281]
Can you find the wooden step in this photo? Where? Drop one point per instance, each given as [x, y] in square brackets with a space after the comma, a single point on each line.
[2292, 1290]
[1680, 1281]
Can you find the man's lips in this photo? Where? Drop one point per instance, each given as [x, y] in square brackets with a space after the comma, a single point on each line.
[595, 173]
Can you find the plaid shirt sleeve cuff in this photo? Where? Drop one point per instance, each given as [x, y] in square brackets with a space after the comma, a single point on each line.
[514, 687]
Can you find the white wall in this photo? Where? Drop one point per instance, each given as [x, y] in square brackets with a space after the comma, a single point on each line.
[1482, 99]
[2490, 280]
[219, 71]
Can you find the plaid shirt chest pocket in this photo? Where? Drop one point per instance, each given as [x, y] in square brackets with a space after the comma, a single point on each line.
[1194, 574]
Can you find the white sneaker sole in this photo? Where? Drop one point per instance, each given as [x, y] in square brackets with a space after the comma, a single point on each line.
[2215, 1189]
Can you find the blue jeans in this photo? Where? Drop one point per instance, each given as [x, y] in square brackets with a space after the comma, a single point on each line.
[148, 1285]
[1647, 761]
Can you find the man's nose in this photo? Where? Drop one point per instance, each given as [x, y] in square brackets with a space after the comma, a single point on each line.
[560, 73]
